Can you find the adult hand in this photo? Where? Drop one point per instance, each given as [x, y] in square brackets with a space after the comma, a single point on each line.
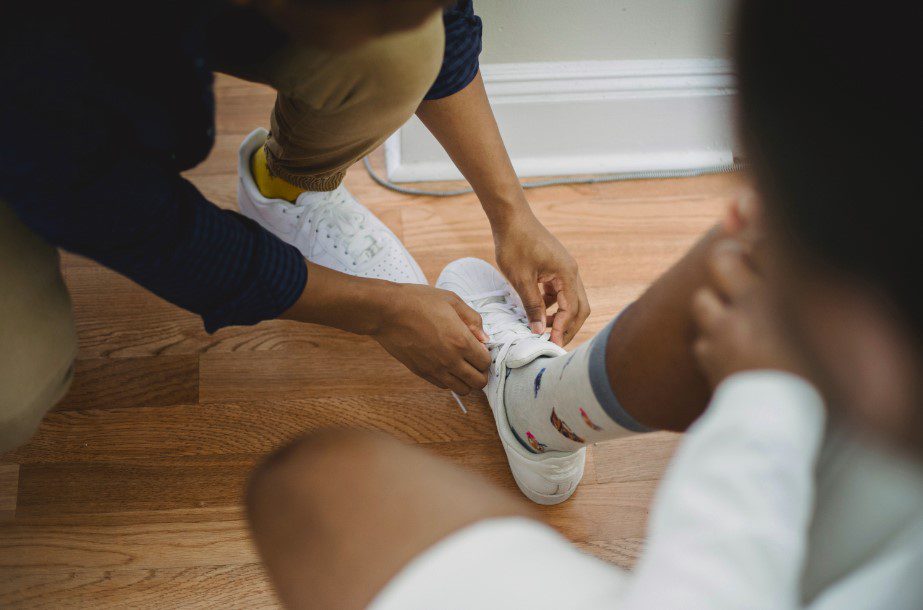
[431, 331]
[435, 335]
[543, 273]
[534, 262]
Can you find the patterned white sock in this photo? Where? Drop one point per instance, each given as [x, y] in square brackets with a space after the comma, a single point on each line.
[564, 402]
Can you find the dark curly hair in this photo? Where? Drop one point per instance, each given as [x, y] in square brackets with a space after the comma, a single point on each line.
[833, 125]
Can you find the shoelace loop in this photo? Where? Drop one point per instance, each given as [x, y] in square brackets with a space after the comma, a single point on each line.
[362, 242]
[504, 321]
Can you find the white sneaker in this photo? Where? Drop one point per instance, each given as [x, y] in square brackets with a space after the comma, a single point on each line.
[331, 228]
[545, 478]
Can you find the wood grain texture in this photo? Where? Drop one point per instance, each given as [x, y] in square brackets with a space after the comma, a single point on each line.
[143, 382]
[201, 587]
[9, 483]
[130, 493]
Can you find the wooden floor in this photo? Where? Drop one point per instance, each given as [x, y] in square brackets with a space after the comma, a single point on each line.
[130, 494]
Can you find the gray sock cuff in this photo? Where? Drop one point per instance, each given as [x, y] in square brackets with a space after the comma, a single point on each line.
[602, 389]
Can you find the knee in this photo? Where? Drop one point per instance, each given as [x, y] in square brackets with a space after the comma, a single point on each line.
[310, 474]
[36, 369]
[390, 75]
[23, 405]
[400, 75]
[38, 341]
[16, 428]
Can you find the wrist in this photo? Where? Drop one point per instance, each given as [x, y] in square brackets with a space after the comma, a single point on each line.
[507, 213]
[373, 306]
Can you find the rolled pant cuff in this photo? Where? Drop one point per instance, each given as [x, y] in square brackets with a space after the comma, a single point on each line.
[308, 182]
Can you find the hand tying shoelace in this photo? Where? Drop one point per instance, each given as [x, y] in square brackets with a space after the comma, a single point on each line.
[503, 330]
[495, 308]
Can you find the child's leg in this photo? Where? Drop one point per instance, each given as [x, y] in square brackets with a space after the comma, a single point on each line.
[337, 515]
[637, 374]
[649, 357]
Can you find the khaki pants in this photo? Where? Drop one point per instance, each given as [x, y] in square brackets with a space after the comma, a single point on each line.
[37, 338]
[331, 110]
[334, 108]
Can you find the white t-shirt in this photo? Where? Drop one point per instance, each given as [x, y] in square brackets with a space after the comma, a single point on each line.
[754, 513]
[758, 509]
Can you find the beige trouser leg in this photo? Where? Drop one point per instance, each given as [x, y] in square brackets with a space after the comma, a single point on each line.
[37, 337]
[333, 108]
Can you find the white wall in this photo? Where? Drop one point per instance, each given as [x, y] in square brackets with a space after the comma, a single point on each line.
[597, 86]
[577, 30]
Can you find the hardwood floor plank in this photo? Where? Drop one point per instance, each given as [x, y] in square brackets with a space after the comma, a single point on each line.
[622, 552]
[219, 586]
[249, 428]
[603, 511]
[9, 485]
[44, 549]
[642, 457]
[358, 367]
[128, 382]
[159, 484]
[206, 514]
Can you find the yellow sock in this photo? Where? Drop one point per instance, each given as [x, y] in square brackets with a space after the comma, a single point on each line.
[270, 186]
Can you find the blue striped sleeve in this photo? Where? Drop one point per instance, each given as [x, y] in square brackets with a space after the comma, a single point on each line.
[462, 47]
[81, 173]
[159, 231]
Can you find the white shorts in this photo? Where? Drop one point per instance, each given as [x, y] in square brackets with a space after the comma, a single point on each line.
[503, 563]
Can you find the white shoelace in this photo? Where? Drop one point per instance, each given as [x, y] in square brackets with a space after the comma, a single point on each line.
[503, 322]
[331, 213]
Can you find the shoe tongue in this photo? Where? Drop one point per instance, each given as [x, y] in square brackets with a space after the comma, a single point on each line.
[527, 349]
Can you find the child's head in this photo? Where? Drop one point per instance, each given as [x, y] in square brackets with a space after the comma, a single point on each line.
[831, 119]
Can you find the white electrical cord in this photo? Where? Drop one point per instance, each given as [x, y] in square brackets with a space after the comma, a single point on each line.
[620, 177]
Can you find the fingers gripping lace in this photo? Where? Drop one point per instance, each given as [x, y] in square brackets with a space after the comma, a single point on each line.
[503, 320]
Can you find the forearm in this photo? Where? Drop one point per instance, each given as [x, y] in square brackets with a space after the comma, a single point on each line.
[350, 303]
[464, 125]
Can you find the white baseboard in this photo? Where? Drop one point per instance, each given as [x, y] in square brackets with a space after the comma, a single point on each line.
[563, 118]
